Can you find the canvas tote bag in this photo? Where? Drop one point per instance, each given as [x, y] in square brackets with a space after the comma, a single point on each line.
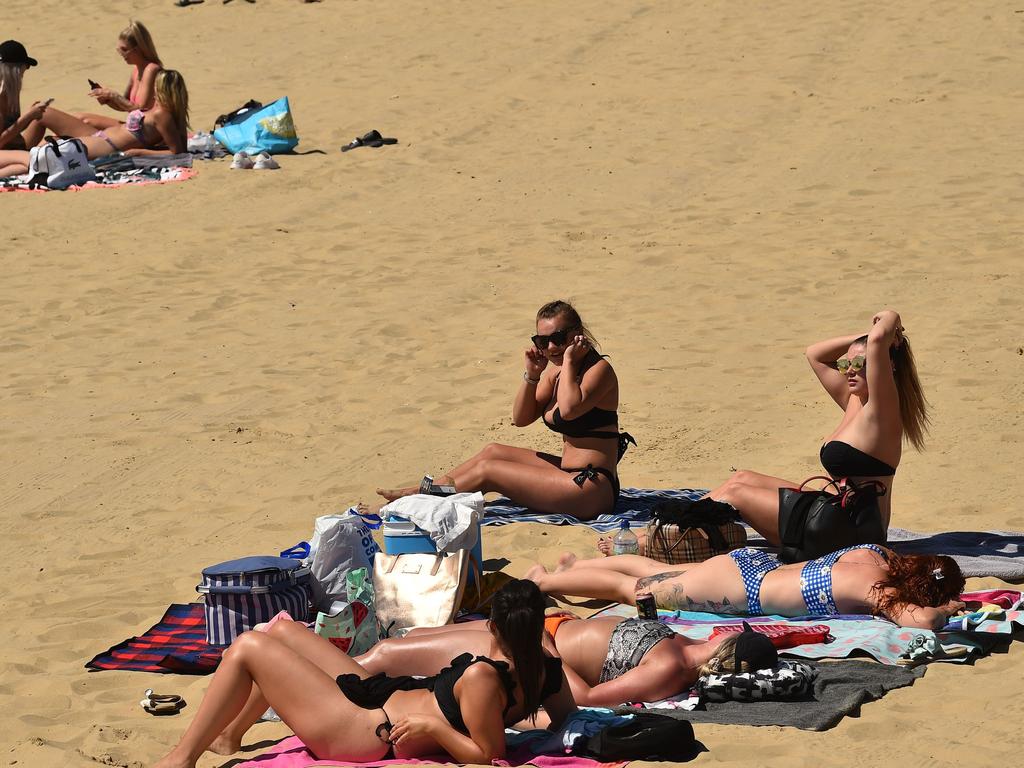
[418, 589]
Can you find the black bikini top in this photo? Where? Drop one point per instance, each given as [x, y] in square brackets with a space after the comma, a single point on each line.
[843, 460]
[444, 687]
[589, 424]
[374, 691]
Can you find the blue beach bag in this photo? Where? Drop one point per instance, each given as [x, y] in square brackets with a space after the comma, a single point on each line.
[268, 129]
[243, 593]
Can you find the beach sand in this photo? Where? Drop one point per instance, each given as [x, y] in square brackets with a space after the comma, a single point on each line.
[193, 372]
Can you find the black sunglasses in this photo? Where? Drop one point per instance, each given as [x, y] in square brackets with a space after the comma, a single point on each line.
[558, 338]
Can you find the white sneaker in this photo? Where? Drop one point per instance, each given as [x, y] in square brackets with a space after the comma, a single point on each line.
[264, 162]
[241, 162]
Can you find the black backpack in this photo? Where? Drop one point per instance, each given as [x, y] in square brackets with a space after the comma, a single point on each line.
[645, 737]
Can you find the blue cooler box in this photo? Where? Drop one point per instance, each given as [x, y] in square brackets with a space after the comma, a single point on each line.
[402, 537]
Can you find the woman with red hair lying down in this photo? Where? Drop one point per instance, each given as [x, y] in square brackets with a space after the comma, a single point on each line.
[909, 590]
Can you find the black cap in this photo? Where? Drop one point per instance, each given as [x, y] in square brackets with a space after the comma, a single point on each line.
[755, 649]
[13, 52]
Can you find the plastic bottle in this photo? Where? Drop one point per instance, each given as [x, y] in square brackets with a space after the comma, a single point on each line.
[625, 541]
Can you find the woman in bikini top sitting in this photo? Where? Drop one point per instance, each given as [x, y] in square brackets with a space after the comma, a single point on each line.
[343, 713]
[608, 661]
[134, 45]
[874, 380]
[912, 590]
[160, 131]
[574, 390]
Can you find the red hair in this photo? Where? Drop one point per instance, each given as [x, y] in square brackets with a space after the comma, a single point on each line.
[915, 580]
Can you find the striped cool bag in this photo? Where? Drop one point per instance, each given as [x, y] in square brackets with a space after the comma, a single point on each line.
[243, 593]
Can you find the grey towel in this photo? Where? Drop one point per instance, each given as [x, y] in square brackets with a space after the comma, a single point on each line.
[839, 690]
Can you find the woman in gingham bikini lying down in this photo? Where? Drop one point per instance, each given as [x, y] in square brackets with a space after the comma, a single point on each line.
[910, 590]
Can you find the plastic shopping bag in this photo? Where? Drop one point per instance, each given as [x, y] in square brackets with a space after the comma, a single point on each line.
[270, 129]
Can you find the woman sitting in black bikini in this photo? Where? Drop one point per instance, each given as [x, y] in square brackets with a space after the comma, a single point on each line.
[343, 713]
[574, 390]
[867, 444]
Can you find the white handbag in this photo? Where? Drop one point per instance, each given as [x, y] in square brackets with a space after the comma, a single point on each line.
[419, 589]
[59, 164]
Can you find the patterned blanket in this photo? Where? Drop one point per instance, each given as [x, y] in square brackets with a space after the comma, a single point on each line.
[634, 505]
[962, 638]
[108, 177]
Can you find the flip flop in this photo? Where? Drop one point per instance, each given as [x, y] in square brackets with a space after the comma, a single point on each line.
[187, 3]
[370, 139]
[162, 703]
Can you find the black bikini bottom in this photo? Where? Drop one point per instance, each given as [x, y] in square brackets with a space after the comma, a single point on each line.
[590, 472]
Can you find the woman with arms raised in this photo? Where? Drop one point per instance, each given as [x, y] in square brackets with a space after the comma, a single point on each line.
[573, 389]
[134, 45]
[160, 131]
[873, 379]
[343, 713]
[912, 590]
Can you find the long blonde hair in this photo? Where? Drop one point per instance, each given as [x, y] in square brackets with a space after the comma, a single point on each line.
[137, 36]
[724, 660]
[913, 403]
[172, 95]
[10, 88]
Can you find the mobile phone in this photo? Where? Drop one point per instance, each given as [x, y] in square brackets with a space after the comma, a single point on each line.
[93, 84]
[48, 102]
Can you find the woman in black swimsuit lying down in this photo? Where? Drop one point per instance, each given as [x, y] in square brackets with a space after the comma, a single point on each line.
[573, 389]
[868, 442]
[342, 712]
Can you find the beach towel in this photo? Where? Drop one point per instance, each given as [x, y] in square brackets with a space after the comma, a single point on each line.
[978, 553]
[176, 644]
[961, 639]
[292, 753]
[109, 178]
[839, 690]
[634, 505]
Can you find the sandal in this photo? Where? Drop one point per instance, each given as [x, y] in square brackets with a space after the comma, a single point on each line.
[162, 703]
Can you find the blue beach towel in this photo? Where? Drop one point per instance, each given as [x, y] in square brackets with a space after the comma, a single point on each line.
[634, 505]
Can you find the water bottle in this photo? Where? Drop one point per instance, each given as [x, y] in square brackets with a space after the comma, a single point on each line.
[625, 541]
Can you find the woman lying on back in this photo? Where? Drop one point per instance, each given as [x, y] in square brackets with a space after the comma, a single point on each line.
[909, 590]
[160, 131]
[343, 713]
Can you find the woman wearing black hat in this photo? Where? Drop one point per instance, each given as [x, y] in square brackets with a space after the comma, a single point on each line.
[17, 130]
[607, 661]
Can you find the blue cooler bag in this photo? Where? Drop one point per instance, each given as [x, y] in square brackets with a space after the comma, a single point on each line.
[243, 593]
[269, 129]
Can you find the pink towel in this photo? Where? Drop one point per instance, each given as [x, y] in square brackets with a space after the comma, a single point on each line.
[1004, 598]
[292, 753]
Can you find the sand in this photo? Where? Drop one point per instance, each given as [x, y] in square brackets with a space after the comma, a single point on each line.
[193, 372]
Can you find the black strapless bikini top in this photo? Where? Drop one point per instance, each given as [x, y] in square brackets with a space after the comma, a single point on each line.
[843, 460]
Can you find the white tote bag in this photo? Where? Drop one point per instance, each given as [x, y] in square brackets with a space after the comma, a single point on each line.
[59, 164]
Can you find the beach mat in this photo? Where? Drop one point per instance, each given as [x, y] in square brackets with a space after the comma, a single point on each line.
[839, 690]
[634, 505]
[177, 643]
[962, 638]
[292, 753]
[114, 178]
[978, 553]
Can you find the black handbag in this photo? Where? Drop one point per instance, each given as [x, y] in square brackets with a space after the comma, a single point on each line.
[645, 736]
[814, 523]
